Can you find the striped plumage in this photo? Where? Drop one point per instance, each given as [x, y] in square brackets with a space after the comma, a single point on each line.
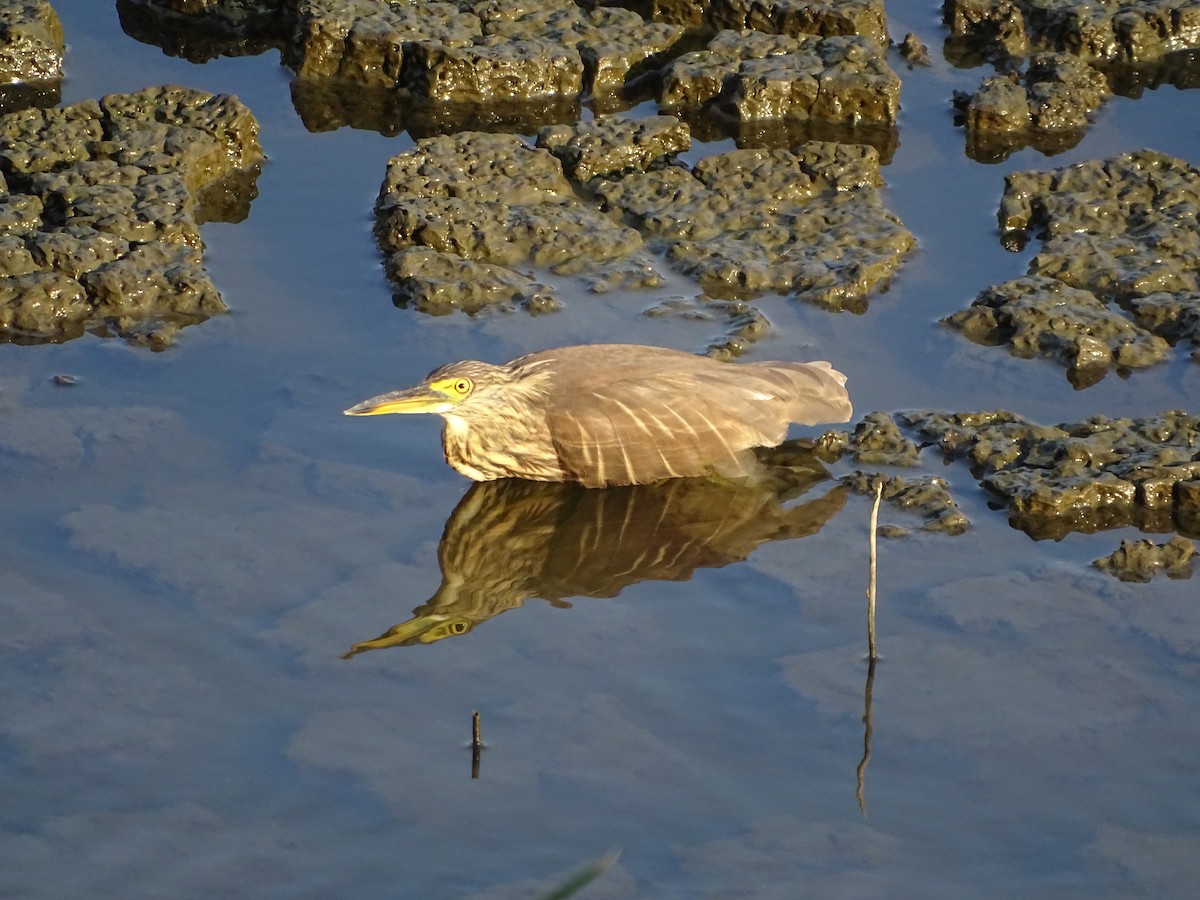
[617, 413]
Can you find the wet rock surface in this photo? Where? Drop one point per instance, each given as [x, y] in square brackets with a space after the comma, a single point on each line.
[616, 145]
[1048, 107]
[457, 211]
[914, 51]
[1097, 29]
[1142, 560]
[1117, 278]
[741, 223]
[745, 323]
[784, 61]
[927, 496]
[1084, 476]
[100, 213]
[748, 75]
[31, 42]
[752, 221]
[1037, 316]
[31, 55]
[476, 50]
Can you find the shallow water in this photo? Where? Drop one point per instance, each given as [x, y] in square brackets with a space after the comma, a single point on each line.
[194, 537]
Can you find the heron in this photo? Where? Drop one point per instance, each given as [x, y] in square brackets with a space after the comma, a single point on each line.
[605, 415]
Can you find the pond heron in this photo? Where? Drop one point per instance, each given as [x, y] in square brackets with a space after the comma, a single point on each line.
[616, 414]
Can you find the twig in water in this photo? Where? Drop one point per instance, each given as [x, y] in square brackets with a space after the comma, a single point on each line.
[871, 584]
[476, 744]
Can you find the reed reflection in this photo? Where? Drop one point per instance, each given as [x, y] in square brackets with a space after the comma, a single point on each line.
[512, 540]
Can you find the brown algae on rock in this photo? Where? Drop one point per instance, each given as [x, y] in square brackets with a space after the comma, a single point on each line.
[99, 221]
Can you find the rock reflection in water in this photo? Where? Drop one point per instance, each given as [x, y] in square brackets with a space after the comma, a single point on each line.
[508, 541]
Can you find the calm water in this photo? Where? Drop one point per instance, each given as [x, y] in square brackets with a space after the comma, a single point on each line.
[194, 537]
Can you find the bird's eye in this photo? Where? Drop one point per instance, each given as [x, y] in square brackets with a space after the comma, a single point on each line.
[462, 386]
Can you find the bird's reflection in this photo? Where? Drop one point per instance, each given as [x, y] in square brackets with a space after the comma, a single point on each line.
[510, 540]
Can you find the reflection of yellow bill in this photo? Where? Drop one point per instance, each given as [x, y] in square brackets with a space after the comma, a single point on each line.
[419, 630]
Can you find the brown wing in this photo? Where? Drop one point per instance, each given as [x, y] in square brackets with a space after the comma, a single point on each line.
[638, 415]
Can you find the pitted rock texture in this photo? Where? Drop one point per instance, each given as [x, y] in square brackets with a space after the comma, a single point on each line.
[31, 42]
[497, 203]
[743, 223]
[820, 17]
[471, 51]
[748, 75]
[1084, 476]
[1037, 316]
[928, 496]
[1136, 31]
[877, 440]
[101, 206]
[1118, 275]
[615, 145]
[1142, 560]
[808, 223]
[1049, 107]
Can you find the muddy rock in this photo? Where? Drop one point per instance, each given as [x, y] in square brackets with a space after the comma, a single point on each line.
[809, 223]
[437, 282]
[820, 17]
[1099, 30]
[476, 51]
[1121, 228]
[496, 69]
[31, 42]
[741, 223]
[1175, 317]
[915, 52]
[1036, 316]
[612, 42]
[877, 440]
[1080, 476]
[490, 200]
[1118, 274]
[750, 76]
[745, 323]
[366, 41]
[1048, 107]
[100, 211]
[1142, 560]
[615, 145]
[927, 496]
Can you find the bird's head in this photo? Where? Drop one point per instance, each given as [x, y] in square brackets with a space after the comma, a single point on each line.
[448, 390]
